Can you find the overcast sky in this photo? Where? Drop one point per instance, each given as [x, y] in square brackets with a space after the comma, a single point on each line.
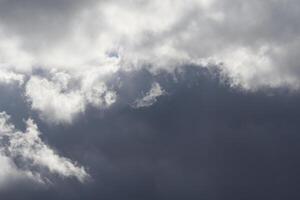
[146, 100]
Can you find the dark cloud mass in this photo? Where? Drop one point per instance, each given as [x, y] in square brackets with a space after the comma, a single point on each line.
[204, 140]
[149, 100]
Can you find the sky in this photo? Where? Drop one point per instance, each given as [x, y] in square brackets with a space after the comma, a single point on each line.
[149, 100]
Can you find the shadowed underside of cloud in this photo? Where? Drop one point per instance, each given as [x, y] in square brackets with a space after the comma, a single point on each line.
[204, 140]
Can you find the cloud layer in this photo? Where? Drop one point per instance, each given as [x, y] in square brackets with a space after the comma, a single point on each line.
[80, 46]
[255, 43]
[68, 57]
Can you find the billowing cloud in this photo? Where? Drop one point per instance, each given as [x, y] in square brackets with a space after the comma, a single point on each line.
[23, 155]
[8, 77]
[255, 43]
[54, 105]
[58, 102]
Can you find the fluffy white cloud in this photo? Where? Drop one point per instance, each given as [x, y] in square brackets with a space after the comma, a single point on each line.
[54, 104]
[58, 101]
[8, 77]
[23, 155]
[151, 96]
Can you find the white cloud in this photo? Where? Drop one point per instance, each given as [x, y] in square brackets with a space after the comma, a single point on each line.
[58, 102]
[10, 173]
[8, 77]
[99, 95]
[151, 96]
[54, 104]
[23, 155]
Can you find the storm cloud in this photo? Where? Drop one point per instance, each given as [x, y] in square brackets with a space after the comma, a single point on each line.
[203, 140]
[138, 99]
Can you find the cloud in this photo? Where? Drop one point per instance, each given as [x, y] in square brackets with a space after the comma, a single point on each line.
[67, 56]
[9, 77]
[201, 141]
[254, 43]
[54, 104]
[24, 155]
[151, 96]
[56, 100]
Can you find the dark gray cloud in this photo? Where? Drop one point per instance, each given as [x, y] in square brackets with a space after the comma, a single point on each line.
[204, 140]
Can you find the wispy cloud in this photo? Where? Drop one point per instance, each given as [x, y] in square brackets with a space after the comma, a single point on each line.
[150, 97]
[24, 155]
